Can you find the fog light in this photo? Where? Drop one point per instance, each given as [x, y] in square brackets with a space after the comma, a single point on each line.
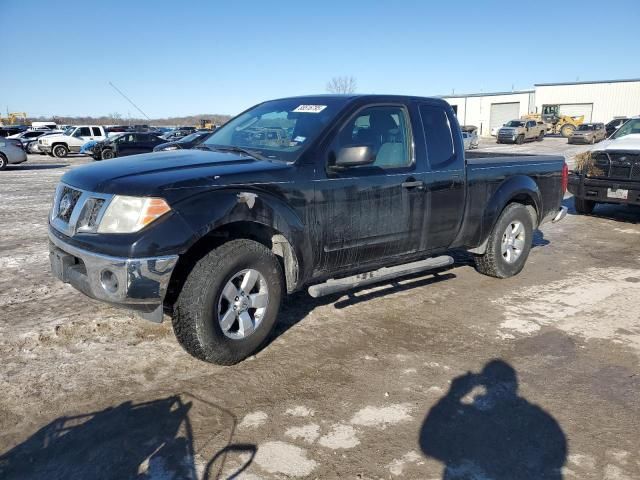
[109, 281]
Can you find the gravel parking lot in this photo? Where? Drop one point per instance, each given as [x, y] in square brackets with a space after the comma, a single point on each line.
[368, 385]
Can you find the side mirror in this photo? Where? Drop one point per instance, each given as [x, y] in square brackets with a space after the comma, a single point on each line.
[356, 156]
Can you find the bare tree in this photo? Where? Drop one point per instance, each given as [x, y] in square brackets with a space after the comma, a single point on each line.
[342, 85]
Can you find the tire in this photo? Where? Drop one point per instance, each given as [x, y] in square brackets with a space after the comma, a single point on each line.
[540, 137]
[593, 140]
[495, 262]
[583, 206]
[520, 139]
[60, 151]
[567, 130]
[108, 154]
[197, 311]
[3, 162]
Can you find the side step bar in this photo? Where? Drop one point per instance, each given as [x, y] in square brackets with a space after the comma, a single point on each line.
[377, 276]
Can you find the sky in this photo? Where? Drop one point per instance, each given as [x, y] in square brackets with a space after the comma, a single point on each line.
[187, 57]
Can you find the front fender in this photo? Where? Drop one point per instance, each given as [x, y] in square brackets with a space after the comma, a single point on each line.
[208, 211]
[518, 186]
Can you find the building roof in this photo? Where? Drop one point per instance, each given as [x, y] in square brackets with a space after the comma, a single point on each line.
[487, 94]
[587, 82]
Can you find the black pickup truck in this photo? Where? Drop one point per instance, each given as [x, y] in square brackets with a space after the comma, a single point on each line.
[321, 192]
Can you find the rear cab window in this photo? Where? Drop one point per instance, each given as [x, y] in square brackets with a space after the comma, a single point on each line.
[438, 135]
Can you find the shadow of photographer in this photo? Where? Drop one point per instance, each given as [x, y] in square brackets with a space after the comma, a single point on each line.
[482, 429]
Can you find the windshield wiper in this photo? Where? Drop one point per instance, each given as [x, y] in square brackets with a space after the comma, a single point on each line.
[233, 149]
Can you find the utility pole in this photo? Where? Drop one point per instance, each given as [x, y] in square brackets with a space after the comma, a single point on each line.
[129, 100]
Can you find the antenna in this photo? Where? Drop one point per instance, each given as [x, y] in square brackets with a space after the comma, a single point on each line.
[129, 100]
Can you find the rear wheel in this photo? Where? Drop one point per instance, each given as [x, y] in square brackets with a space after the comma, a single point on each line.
[509, 243]
[583, 206]
[3, 162]
[60, 151]
[540, 137]
[229, 302]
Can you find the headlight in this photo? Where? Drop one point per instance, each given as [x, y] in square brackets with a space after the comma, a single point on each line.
[172, 147]
[130, 214]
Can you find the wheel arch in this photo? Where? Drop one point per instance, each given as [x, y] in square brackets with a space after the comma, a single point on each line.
[254, 216]
[517, 189]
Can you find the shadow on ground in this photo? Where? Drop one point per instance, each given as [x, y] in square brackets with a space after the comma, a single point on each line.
[146, 440]
[482, 429]
[608, 211]
[42, 166]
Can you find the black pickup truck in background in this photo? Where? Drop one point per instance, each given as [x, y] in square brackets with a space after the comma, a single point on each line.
[321, 192]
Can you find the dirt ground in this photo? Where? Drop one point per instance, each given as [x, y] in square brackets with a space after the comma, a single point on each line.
[369, 385]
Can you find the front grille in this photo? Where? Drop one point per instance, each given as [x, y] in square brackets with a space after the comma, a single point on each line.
[618, 171]
[68, 199]
[618, 165]
[88, 220]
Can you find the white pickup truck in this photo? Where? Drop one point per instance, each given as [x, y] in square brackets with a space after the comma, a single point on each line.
[71, 140]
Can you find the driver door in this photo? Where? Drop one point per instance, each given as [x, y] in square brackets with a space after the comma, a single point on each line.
[371, 213]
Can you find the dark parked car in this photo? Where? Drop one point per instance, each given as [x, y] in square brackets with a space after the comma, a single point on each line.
[187, 142]
[12, 130]
[353, 190]
[125, 144]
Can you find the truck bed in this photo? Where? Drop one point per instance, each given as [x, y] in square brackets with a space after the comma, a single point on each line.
[487, 174]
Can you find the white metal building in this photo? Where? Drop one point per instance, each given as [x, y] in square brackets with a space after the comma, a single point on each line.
[598, 101]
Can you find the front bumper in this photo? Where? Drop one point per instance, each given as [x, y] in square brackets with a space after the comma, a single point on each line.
[597, 189]
[579, 140]
[136, 283]
[502, 138]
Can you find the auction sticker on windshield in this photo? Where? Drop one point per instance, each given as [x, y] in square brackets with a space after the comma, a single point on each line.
[309, 108]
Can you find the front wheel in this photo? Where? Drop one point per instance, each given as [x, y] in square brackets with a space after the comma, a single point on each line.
[540, 137]
[567, 130]
[229, 302]
[60, 151]
[3, 162]
[520, 139]
[509, 243]
[583, 206]
[108, 154]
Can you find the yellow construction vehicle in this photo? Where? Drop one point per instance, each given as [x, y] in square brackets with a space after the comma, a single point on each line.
[14, 118]
[555, 121]
[206, 124]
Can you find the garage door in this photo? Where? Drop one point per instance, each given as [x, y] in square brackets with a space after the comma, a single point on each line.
[501, 113]
[577, 109]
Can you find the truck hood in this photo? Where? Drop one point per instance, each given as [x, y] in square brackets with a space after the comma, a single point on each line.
[50, 138]
[161, 173]
[628, 142]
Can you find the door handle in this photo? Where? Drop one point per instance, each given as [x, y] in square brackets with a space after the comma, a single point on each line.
[414, 184]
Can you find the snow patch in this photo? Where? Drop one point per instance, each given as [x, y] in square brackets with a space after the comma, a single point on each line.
[382, 417]
[396, 467]
[253, 420]
[309, 433]
[300, 411]
[340, 436]
[284, 458]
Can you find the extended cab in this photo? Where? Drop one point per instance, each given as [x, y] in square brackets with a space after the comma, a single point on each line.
[71, 140]
[610, 172]
[324, 192]
[520, 131]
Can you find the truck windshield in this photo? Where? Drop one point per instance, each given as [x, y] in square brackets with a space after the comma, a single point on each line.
[514, 123]
[630, 127]
[278, 130]
[587, 126]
